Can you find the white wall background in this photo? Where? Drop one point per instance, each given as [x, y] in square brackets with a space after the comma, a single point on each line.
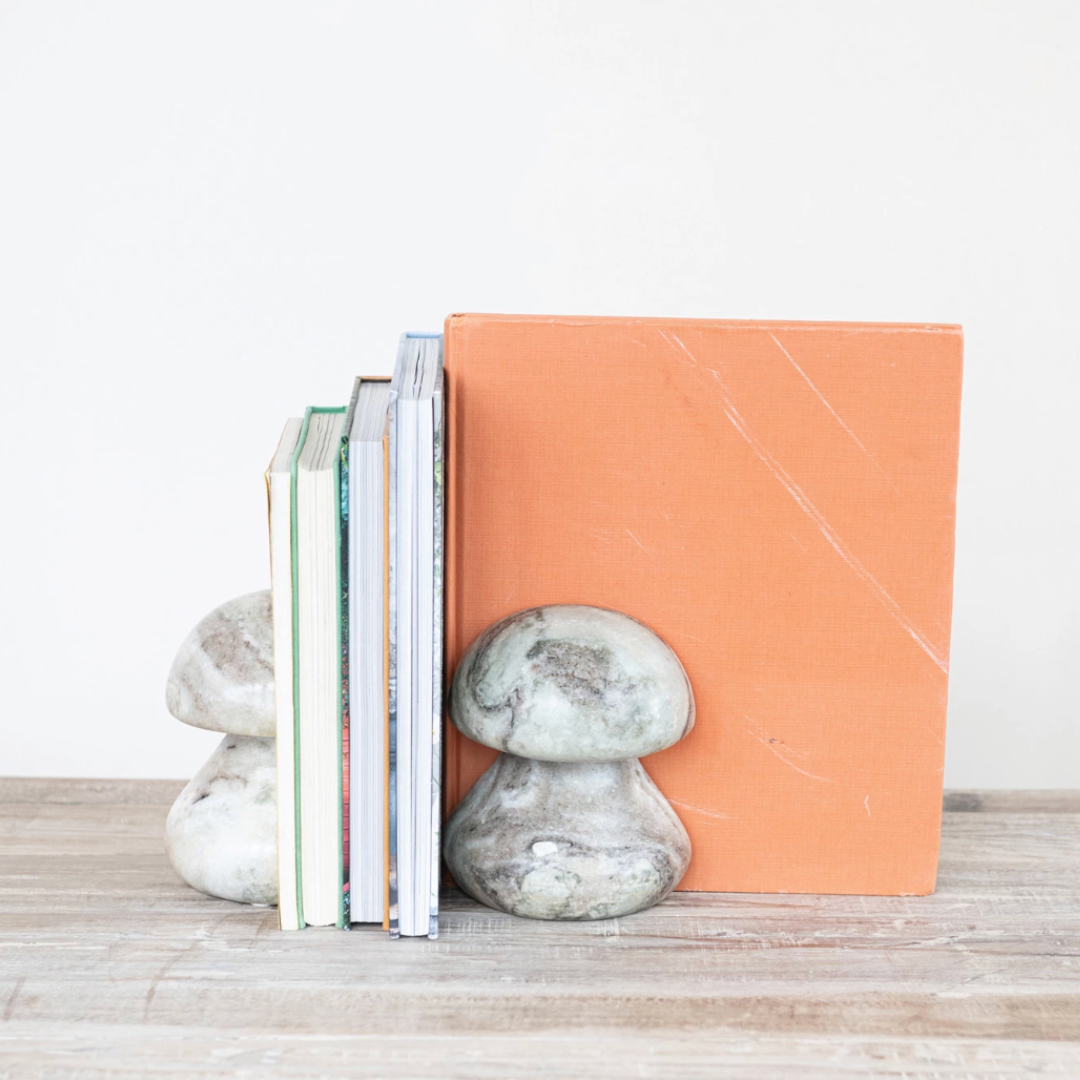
[215, 213]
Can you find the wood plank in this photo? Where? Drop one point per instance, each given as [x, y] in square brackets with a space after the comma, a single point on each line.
[100, 938]
[36, 791]
[133, 1052]
[995, 801]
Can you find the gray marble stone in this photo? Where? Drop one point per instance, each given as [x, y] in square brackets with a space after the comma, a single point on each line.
[221, 833]
[566, 841]
[572, 683]
[223, 676]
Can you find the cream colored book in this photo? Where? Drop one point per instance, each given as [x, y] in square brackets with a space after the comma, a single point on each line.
[279, 500]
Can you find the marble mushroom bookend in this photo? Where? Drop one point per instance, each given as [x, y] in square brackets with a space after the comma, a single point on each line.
[221, 833]
[566, 824]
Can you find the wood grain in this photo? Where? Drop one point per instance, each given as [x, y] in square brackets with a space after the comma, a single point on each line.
[111, 966]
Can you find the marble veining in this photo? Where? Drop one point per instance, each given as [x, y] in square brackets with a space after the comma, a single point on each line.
[221, 833]
[223, 676]
[566, 824]
[572, 683]
[566, 841]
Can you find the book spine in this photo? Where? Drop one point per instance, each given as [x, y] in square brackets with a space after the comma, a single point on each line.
[386, 681]
[343, 651]
[346, 677]
[437, 648]
[277, 494]
[392, 683]
[295, 596]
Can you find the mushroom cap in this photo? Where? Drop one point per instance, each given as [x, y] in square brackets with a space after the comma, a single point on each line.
[223, 676]
[569, 682]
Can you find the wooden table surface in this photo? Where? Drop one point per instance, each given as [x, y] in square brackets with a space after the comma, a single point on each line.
[110, 966]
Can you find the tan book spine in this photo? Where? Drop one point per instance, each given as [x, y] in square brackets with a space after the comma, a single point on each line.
[386, 679]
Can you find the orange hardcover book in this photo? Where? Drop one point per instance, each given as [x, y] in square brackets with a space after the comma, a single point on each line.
[776, 500]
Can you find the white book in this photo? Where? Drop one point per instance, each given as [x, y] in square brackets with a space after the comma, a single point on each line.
[318, 676]
[416, 617]
[367, 649]
[279, 498]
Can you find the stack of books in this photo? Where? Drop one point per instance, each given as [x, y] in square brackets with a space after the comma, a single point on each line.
[356, 553]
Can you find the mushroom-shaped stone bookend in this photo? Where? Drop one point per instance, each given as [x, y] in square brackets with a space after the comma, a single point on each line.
[566, 824]
[221, 833]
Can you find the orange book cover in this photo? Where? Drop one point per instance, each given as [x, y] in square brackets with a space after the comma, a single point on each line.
[776, 500]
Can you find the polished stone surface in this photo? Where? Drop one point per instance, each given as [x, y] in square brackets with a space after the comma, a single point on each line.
[566, 841]
[223, 676]
[221, 833]
[572, 683]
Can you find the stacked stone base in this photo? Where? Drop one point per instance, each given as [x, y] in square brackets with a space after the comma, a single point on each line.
[551, 840]
[221, 833]
[566, 824]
